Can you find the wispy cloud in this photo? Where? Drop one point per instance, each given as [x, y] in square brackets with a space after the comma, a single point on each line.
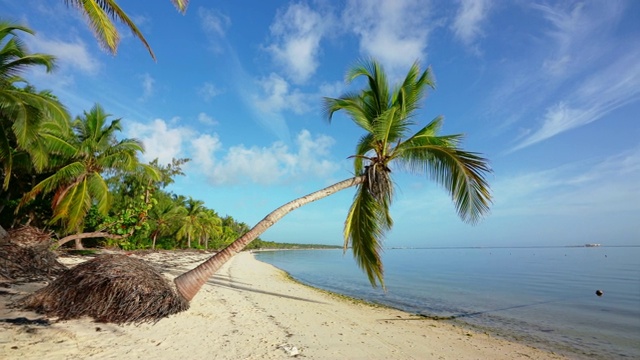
[609, 185]
[393, 31]
[148, 86]
[297, 33]
[208, 91]
[576, 72]
[203, 118]
[215, 25]
[468, 21]
[604, 91]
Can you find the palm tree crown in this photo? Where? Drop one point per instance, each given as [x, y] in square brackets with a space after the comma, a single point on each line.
[91, 150]
[387, 117]
[22, 109]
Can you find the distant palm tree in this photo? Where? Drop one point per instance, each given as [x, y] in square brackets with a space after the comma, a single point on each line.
[91, 150]
[210, 226]
[164, 219]
[22, 109]
[386, 116]
[191, 220]
[100, 13]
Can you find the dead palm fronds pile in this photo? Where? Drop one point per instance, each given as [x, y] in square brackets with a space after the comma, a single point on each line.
[109, 288]
[25, 255]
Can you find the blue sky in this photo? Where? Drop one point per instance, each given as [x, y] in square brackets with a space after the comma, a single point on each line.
[549, 91]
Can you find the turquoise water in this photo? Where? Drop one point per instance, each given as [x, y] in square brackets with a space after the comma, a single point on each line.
[541, 295]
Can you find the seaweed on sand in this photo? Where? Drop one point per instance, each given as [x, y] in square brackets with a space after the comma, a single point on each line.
[109, 288]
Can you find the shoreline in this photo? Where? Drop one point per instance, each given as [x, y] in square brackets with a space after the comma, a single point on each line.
[253, 310]
[540, 344]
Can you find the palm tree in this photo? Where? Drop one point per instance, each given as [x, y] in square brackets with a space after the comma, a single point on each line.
[22, 109]
[100, 15]
[210, 226]
[164, 219]
[91, 150]
[386, 117]
[191, 221]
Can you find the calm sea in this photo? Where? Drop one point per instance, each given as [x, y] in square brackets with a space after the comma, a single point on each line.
[545, 296]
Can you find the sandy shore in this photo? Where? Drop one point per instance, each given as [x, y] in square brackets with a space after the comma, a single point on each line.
[250, 310]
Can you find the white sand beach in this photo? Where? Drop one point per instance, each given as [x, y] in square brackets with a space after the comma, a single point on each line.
[251, 310]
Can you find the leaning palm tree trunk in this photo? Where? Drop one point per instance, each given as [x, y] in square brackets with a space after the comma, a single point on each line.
[189, 283]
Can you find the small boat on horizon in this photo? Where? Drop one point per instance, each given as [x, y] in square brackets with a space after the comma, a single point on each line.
[592, 245]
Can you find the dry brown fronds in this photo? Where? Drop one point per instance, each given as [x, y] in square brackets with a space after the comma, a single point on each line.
[109, 288]
[25, 256]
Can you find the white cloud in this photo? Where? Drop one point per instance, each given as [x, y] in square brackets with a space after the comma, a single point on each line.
[69, 55]
[204, 148]
[297, 34]
[206, 119]
[279, 97]
[467, 23]
[395, 32]
[276, 164]
[160, 141]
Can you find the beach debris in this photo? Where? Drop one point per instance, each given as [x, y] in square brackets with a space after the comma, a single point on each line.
[599, 292]
[290, 349]
[25, 255]
[110, 288]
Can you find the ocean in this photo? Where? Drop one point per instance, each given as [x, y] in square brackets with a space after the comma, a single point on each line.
[545, 296]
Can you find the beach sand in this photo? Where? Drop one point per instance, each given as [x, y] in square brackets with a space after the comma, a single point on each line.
[251, 310]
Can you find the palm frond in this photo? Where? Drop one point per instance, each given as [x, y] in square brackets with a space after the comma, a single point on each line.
[366, 224]
[363, 146]
[352, 105]
[65, 175]
[99, 192]
[460, 172]
[100, 22]
[73, 207]
[181, 5]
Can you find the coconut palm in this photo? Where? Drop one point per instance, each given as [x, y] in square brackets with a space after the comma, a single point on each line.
[100, 15]
[22, 109]
[91, 150]
[210, 226]
[191, 221]
[164, 219]
[386, 116]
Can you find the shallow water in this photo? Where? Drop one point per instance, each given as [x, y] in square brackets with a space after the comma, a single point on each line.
[541, 295]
